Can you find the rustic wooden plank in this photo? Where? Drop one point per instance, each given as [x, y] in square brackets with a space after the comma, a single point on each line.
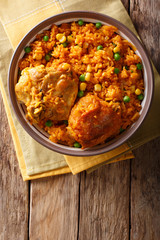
[54, 208]
[145, 184]
[13, 191]
[145, 192]
[146, 18]
[104, 203]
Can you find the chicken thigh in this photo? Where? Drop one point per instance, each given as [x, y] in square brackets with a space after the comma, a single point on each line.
[47, 93]
[92, 121]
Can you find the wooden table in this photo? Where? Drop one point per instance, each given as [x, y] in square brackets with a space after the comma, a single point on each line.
[120, 201]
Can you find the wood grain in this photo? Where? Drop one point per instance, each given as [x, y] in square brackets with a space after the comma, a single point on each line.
[145, 169]
[104, 203]
[13, 191]
[116, 202]
[100, 210]
[146, 18]
[54, 208]
[145, 192]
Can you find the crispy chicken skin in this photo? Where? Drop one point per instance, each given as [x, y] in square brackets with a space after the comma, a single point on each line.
[91, 121]
[48, 93]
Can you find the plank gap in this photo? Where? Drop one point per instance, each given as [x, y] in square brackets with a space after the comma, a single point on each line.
[29, 197]
[129, 7]
[130, 183]
[79, 207]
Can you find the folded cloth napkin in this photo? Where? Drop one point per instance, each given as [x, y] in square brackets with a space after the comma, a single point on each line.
[36, 161]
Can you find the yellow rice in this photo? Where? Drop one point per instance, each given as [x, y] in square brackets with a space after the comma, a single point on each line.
[97, 65]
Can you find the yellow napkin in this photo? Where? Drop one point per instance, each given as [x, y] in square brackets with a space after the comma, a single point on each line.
[20, 16]
[26, 148]
[6, 52]
[80, 164]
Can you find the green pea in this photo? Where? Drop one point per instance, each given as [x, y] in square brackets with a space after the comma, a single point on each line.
[77, 145]
[45, 38]
[100, 47]
[49, 123]
[66, 122]
[98, 25]
[47, 57]
[80, 22]
[50, 54]
[65, 44]
[27, 49]
[121, 130]
[114, 44]
[82, 78]
[140, 97]
[117, 56]
[126, 67]
[80, 94]
[116, 70]
[139, 66]
[126, 99]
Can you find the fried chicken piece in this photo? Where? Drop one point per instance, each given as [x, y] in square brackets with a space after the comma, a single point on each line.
[29, 79]
[92, 121]
[48, 93]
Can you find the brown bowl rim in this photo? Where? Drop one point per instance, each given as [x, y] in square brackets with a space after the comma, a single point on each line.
[34, 133]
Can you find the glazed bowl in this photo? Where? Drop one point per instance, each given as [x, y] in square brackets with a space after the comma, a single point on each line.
[41, 136]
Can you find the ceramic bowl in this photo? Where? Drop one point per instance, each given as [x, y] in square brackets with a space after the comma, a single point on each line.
[38, 134]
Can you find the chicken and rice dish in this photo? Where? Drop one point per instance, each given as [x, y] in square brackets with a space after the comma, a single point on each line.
[81, 82]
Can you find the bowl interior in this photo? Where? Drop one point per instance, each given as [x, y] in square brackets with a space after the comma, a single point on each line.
[40, 135]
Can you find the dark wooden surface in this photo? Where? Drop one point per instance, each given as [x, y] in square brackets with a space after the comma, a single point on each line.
[120, 201]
